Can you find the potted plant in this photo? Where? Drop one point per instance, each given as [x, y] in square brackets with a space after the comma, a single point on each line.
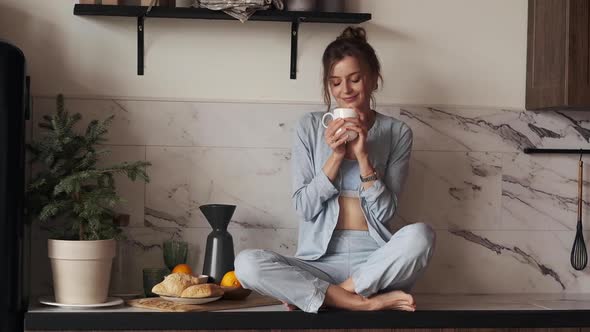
[73, 198]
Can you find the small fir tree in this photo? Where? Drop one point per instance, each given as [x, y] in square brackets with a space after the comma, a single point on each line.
[69, 193]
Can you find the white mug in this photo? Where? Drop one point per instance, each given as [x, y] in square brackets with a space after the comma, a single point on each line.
[338, 113]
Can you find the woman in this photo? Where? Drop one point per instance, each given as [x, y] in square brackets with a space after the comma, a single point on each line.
[345, 194]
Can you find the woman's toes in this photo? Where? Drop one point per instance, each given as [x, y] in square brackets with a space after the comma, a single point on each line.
[290, 307]
[405, 297]
[405, 307]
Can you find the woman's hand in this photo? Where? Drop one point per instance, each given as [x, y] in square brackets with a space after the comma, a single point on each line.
[336, 140]
[360, 125]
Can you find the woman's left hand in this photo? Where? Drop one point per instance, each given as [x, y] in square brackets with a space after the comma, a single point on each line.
[360, 126]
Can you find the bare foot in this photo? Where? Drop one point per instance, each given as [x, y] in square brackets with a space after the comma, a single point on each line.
[290, 307]
[394, 300]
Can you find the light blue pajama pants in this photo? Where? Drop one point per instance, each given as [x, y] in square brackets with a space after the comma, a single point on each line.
[303, 283]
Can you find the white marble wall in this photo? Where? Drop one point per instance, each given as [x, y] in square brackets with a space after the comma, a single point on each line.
[505, 220]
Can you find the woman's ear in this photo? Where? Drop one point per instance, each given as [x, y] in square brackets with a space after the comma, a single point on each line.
[373, 83]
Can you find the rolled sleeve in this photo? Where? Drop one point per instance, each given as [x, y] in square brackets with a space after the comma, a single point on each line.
[372, 193]
[326, 187]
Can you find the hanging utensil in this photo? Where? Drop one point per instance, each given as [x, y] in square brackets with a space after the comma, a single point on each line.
[579, 256]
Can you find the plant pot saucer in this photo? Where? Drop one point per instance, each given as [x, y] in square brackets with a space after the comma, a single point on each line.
[111, 301]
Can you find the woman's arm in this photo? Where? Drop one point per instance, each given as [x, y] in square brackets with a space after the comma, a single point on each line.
[379, 198]
[311, 191]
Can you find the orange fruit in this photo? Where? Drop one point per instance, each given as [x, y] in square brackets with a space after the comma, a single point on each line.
[230, 280]
[182, 268]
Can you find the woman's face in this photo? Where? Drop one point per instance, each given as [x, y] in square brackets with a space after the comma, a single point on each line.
[349, 85]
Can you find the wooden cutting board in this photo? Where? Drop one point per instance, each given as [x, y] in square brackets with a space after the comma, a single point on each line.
[156, 303]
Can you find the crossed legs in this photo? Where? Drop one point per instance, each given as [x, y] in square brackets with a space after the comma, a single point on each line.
[376, 284]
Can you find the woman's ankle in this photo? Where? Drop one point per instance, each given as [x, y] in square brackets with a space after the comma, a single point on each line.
[348, 285]
[339, 297]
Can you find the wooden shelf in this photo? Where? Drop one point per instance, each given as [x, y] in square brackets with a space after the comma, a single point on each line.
[294, 17]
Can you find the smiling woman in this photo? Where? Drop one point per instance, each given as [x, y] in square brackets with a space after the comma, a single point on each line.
[345, 192]
[350, 59]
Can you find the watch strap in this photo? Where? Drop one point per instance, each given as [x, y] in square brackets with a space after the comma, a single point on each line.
[372, 177]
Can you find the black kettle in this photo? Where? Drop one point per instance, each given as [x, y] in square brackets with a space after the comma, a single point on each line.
[219, 252]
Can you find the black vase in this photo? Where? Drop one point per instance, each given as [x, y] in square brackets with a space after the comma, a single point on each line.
[219, 253]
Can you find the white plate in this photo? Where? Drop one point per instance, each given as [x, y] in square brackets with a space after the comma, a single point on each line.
[190, 300]
[111, 301]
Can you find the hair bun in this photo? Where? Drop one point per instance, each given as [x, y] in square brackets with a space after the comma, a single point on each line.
[354, 33]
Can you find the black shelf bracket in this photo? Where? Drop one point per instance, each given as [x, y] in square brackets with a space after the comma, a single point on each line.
[294, 37]
[556, 151]
[140, 46]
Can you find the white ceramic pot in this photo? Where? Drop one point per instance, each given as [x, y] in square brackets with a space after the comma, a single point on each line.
[81, 270]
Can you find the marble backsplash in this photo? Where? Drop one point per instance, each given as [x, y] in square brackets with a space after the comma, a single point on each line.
[505, 220]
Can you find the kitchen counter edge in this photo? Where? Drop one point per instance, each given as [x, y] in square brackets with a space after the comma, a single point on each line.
[231, 320]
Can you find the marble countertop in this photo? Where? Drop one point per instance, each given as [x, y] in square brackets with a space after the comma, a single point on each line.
[433, 310]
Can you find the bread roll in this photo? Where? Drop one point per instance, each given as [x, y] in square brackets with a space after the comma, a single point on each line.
[202, 290]
[173, 284]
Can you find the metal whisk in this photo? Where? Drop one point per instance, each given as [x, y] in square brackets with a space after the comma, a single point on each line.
[579, 256]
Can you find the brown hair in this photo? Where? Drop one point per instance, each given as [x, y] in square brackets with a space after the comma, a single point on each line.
[351, 42]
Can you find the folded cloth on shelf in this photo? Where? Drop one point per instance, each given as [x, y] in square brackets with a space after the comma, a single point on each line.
[240, 9]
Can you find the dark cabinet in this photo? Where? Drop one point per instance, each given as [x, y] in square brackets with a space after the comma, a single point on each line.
[558, 74]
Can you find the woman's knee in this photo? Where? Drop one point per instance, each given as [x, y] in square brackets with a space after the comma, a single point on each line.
[248, 263]
[245, 265]
[423, 238]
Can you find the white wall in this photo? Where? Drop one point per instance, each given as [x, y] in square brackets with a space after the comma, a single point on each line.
[453, 52]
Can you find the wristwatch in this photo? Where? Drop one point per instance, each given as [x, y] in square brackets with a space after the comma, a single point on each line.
[372, 177]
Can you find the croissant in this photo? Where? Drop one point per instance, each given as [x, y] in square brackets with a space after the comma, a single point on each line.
[203, 290]
[173, 284]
